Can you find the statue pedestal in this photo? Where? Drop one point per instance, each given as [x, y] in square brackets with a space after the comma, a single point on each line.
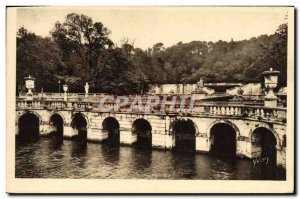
[29, 96]
[271, 102]
[271, 82]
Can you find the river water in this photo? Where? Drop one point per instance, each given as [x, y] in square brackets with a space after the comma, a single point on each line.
[55, 158]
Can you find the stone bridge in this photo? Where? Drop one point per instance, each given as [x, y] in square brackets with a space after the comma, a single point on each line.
[242, 130]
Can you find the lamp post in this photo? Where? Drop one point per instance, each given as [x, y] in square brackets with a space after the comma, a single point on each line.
[65, 88]
[29, 83]
[59, 86]
[271, 82]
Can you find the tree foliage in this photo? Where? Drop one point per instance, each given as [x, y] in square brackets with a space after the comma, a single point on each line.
[80, 50]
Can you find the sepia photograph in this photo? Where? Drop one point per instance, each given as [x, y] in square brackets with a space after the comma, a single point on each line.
[150, 99]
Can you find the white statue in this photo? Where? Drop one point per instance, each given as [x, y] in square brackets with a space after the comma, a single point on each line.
[86, 88]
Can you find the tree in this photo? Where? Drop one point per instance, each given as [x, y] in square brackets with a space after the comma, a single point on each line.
[79, 35]
[275, 54]
[116, 74]
[80, 50]
[40, 58]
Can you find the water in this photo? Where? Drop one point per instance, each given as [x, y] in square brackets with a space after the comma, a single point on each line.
[54, 158]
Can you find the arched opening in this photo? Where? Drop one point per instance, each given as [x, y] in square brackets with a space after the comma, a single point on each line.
[142, 128]
[28, 128]
[223, 140]
[80, 124]
[57, 125]
[112, 127]
[264, 144]
[184, 132]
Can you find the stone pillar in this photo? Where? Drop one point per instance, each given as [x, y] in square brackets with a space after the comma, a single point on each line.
[255, 150]
[44, 128]
[96, 135]
[127, 137]
[70, 132]
[170, 141]
[202, 144]
[159, 140]
[52, 128]
[243, 147]
[281, 156]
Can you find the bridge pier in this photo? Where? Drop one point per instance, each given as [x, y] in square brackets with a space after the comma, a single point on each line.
[162, 134]
[202, 144]
[127, 137]
[96, 135]
[169, 141]
[281, 157]
[243, 147]
[69, 132]
[158, 141]
[44, 129]
[162, 141]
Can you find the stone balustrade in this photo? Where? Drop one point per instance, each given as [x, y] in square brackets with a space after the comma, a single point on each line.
[257, 112]
[219, 109]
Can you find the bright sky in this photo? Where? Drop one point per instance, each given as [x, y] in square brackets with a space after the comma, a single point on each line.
[169, 25]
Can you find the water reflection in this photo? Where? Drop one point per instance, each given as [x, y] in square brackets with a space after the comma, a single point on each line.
[111, 153]
[79, 148]
[55, 143]
[184, 164]
[56, 158]
[141, 161]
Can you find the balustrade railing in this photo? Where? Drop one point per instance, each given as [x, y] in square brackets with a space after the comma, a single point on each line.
[222, 109]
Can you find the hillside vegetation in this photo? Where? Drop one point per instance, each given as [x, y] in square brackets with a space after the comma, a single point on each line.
[79, 50]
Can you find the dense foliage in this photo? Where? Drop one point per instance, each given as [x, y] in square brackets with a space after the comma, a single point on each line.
[80, 51]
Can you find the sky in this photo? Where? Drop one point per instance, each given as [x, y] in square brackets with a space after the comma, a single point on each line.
[146, 26]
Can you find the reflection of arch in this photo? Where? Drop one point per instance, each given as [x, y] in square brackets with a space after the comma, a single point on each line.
[208, 131]
[270, 129]
[184, 133]
[143, 130]
[112, 127]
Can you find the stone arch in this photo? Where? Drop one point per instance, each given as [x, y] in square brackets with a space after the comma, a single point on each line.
[32, 112]
[79, 124]
[111, 127]
[58, 113]
[142, 129]
[263, 143]
[28, 127]
[182, 118]
[223, 122]
[223, 136]
[84, 115]
[184, 140]
[263, 125]
[56, 124]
